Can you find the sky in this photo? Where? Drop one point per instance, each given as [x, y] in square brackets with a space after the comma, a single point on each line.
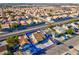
[39, 1]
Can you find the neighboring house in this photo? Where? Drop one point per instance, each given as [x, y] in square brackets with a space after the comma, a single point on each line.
[39, 20]
[49, 19]
[59, 30]
[37, 36]
[54, 17]
[23, 22]
[13, 22]
[6, 25]
[59, 38]
[36, 21]
[29, 21]
[22, 40]
[65, 26]
[74, 25]
[48, 30]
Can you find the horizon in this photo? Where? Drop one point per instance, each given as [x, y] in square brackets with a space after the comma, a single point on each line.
[39, 1]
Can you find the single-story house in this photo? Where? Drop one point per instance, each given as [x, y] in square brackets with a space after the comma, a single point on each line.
[59, 30]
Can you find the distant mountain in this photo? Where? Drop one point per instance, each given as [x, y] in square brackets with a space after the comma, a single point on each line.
[35, 4]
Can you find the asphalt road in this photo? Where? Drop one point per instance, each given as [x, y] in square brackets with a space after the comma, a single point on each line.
[21, 31]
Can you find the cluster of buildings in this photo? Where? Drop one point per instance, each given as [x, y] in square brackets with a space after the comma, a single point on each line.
[36, 41]
[25, 17]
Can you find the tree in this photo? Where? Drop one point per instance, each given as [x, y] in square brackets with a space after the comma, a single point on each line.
[70, 31]
[14, 25]
[12, 44]
[12, 41]
[72, 21]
